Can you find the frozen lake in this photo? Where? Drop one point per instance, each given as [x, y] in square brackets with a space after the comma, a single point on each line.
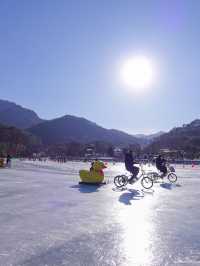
[46, 218]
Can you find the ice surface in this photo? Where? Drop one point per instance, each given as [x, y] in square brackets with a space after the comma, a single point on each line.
[46, 218]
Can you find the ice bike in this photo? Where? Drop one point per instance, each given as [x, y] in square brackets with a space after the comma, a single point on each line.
[171, 176]
[122, 180]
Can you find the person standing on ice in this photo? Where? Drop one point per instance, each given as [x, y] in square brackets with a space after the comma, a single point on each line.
[8, 161]
[160, 165]
[129, 164]
[92, 164]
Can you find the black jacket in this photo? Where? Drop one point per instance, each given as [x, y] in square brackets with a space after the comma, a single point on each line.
[129, 161]
[160, 162]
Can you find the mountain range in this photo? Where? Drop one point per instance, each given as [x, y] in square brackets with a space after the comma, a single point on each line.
[60, 130]
[12, 114]
[185, 139]
[70, 128]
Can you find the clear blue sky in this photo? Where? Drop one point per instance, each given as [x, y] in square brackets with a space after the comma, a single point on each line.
[62, 57]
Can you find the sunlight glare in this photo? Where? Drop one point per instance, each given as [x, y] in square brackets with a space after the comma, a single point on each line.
[137, 73]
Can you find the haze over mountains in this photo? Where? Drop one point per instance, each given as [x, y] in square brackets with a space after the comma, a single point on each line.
[151, 136]
[145, 140]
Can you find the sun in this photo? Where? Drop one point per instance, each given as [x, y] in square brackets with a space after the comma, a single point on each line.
[137, 73]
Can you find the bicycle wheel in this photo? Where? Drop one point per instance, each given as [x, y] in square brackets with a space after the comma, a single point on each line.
[120, 180]
[152, 176]
[147, 182]
[172, 177]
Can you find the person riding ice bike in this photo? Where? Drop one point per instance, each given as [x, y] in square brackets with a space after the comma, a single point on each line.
[161, 165]
[129, 164]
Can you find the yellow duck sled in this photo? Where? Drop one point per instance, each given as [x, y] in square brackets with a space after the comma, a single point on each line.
[95, 175]
[2, 165]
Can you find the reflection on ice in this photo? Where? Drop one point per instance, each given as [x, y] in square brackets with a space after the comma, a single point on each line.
[137, 233]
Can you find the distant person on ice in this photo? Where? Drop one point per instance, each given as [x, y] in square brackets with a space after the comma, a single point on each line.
[129, 164]
[92, 164]
[91, 168]
[8, 161]
[161, 165]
